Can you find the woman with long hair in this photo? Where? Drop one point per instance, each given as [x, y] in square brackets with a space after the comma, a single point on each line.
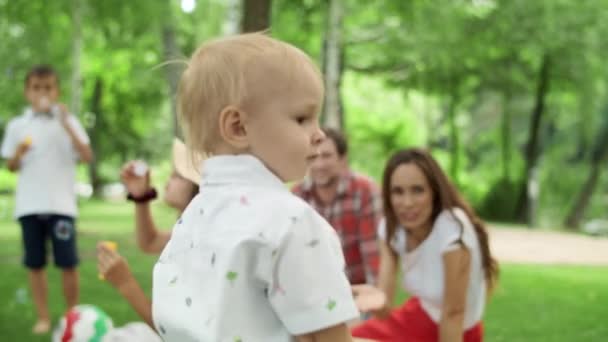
[446, 264]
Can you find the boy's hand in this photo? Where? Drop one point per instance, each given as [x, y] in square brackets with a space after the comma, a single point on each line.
[137, 185]
[63, 113]
[112, 266]
[14, 163]
[23, 147]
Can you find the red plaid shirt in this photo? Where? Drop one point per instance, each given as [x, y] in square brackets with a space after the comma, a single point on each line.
[354, 213]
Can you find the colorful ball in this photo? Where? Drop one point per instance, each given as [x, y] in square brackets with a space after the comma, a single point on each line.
[83, 323]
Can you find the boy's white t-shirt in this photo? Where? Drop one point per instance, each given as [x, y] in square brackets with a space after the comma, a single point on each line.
[47, 174]
[423, 268]
[249, 261]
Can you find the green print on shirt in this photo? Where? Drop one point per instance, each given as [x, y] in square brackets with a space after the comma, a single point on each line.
[232, 276]
[331, 304]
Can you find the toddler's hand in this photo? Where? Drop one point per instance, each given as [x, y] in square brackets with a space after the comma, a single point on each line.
[369, 298]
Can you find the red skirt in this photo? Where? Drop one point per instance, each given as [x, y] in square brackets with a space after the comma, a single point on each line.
[409, 323]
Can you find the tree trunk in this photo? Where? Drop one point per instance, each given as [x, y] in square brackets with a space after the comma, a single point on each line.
[332, 107]
[598, 157]
[577, 211]
[585, 125]
[256, 15]
[96, 109]
[172, 70]
[233, 17]
[532, 151]
[505, 141]
[454, 136]
[76, 79]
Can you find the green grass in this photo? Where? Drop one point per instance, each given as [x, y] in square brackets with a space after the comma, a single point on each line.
[532, 303]
[549, 303]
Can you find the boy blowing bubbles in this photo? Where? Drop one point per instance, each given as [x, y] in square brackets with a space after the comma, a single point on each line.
[42, 93]
[44, 145]
[249, 261]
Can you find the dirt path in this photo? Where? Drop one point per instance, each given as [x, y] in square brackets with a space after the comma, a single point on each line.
[544, 247]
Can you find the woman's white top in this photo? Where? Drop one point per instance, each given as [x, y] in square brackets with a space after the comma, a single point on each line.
[423, 268]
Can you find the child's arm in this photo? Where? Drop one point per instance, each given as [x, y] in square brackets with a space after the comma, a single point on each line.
[85, 153]
[378, 300]
[149, 239]
[338, 333]
[115, 270]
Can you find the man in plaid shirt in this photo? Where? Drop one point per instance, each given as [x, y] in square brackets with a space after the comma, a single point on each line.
[351, 203]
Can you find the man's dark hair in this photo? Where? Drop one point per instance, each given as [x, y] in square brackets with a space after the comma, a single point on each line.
[339, 140]
[41, 70]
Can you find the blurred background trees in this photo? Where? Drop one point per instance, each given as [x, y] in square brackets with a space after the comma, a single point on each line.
[509, 95]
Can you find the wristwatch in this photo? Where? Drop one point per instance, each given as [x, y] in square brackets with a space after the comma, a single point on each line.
[146, 197]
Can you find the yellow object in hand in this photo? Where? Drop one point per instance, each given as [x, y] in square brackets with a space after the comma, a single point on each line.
[111, 245]
[27, 140]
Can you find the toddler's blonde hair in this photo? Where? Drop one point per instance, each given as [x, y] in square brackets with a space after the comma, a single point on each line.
[217, 76]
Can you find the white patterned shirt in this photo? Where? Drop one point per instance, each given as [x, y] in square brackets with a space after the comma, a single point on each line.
[249, 261]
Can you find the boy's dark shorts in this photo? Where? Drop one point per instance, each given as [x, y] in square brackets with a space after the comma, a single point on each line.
[36, 229]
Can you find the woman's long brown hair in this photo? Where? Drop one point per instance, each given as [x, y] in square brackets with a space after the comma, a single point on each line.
[445, 196]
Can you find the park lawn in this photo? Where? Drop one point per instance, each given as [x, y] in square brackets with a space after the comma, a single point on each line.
[532, 303]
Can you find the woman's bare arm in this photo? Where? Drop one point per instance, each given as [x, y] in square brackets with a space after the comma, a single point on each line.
[457, 264]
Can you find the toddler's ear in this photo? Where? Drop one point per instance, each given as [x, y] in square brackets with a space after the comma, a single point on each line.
[232, 127]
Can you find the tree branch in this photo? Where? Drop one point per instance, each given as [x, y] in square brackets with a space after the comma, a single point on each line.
[379, 68]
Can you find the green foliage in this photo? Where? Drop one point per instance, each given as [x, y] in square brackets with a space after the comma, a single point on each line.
[483, 58]
[456, 76]
[499, 202]
[300, 22]
[378, 124]
[122, 49]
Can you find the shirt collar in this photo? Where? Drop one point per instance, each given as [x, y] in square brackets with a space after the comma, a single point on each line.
[29, 113]
[239, 169]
